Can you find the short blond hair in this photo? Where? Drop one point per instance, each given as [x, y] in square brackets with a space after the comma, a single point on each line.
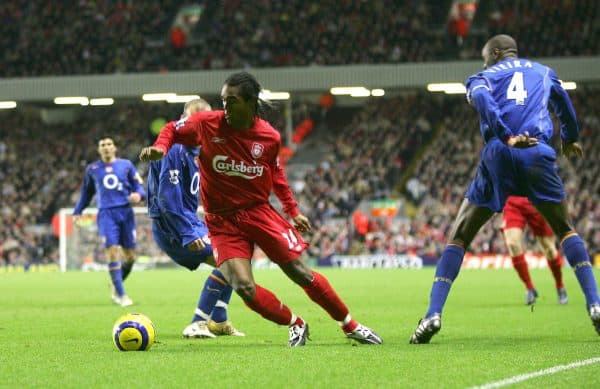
[195, 106]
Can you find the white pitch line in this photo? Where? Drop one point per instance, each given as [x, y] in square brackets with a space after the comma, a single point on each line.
[539, 373]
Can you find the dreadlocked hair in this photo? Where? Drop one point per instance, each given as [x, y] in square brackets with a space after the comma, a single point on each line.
[250, 89]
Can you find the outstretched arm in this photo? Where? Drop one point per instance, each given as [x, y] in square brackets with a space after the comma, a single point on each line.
[185, 131]
[87, 192]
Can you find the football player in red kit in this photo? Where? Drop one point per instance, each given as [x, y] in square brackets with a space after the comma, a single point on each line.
[518, 213]
[239, 169]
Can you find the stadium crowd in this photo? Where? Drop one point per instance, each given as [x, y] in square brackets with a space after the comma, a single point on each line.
[103, 37]
[41, 170]
[42, 166]
[435, 181]
[428, 143]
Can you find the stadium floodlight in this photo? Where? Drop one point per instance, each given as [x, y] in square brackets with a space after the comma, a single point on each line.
[568, 85]
[377, 92]
[66, 100]
[437, 87]
[447, 87]
[102, 101]
[350, 90]
[361, 93]
[157, 96]
[8, 104]
[181, 98]
[270, 95]
[456, 89]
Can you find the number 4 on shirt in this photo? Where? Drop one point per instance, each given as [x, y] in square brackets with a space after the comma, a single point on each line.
[516, 89]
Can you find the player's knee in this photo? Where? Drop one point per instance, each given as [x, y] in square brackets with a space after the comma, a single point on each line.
[112, 253]
[549, 251]
[298, 272]
[246, 289]
[514, 247]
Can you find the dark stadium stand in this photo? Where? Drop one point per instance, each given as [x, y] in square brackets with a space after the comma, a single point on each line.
[85, 37]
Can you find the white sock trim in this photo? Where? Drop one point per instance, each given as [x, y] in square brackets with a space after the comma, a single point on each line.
[293, 320]
[346, 320]
[201, 313]
[221, 304]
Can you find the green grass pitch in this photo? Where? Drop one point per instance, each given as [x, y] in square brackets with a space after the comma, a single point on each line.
[55, 332]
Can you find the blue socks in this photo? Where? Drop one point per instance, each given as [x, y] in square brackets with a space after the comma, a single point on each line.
[446, 272]
[449, 265]
[219, 313]
[215, 289]
[114, 269]
[578, 257]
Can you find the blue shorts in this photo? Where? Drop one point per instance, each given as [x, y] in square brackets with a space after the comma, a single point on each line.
[171, 245]
[116, 227]
[505, 171]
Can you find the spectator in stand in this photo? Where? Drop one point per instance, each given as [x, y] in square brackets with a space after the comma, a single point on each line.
[58, 38]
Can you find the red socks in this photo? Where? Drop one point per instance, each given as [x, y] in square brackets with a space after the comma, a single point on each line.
[556, 268]
[268, 306]
[321, 292]
[520, 265]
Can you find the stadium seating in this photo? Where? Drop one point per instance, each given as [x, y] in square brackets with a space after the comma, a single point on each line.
[60, 38]
[442, 172]
[407, 138]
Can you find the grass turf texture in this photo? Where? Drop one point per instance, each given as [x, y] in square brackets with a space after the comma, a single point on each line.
[55, 331]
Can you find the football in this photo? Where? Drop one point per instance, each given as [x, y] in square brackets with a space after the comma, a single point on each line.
[133, 332]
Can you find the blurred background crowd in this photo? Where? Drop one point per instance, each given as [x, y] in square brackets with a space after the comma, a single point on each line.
[390, 174]
[99, 37]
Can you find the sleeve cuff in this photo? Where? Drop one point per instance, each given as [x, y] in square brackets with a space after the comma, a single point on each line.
[293, 212]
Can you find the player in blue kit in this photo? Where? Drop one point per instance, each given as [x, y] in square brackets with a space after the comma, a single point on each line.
[511, 96]
[173, 194]
[117, 185]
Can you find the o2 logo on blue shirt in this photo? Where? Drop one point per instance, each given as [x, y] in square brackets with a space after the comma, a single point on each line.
[111, 181]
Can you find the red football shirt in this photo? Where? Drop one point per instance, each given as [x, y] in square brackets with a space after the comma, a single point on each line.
[239, 168]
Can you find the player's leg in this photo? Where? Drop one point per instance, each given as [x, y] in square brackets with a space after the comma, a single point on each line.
[573, 247]
[318, 288]
[127, 241]
[219, 323]
[198, 327]
[547, 246]
[469, 220]
[212, 305]
[114, 270]
[129, 256]
[238, 272]
[109, 231]
[546, 241]
[513, 238]
[210, 314]
[283, 245]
